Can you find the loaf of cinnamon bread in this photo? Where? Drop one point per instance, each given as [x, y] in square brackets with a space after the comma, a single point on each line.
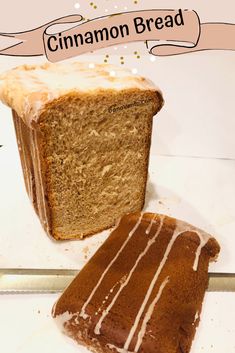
[84, 134]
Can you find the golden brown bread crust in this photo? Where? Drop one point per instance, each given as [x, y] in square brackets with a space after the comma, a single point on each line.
[143, 289]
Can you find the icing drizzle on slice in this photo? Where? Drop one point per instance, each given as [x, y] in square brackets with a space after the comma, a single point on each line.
[147, 307]
[83, 310]
[204, 237]
[148, 314]
[153, 220]
[180, 229]
[175, 235]
[125, 283]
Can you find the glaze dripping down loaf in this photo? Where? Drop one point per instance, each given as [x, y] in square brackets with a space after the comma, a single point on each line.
[142, 291]
[84, 134]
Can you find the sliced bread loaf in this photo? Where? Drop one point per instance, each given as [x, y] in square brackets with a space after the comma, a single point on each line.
[84, 134]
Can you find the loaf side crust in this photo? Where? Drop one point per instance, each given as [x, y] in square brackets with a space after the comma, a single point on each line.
[34, 177]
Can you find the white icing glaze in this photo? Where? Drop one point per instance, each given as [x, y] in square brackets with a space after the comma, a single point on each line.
[27, 89]
[204, 237]
[83, 310]
[109, 293]
[196, 316]
[153, 220]
[62, 319]
[120, 350]
[148, 315]
[136, 226]
[125, 283]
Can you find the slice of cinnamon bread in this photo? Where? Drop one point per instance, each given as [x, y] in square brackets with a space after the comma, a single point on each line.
[84, 134]
[142, 291]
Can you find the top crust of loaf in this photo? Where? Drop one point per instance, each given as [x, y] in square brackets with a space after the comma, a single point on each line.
[27, 89]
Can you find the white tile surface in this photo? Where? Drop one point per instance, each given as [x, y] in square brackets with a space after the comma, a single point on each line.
[26, 325]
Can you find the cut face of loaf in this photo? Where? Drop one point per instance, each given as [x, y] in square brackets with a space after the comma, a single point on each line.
[93, 160]
[85, 152]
